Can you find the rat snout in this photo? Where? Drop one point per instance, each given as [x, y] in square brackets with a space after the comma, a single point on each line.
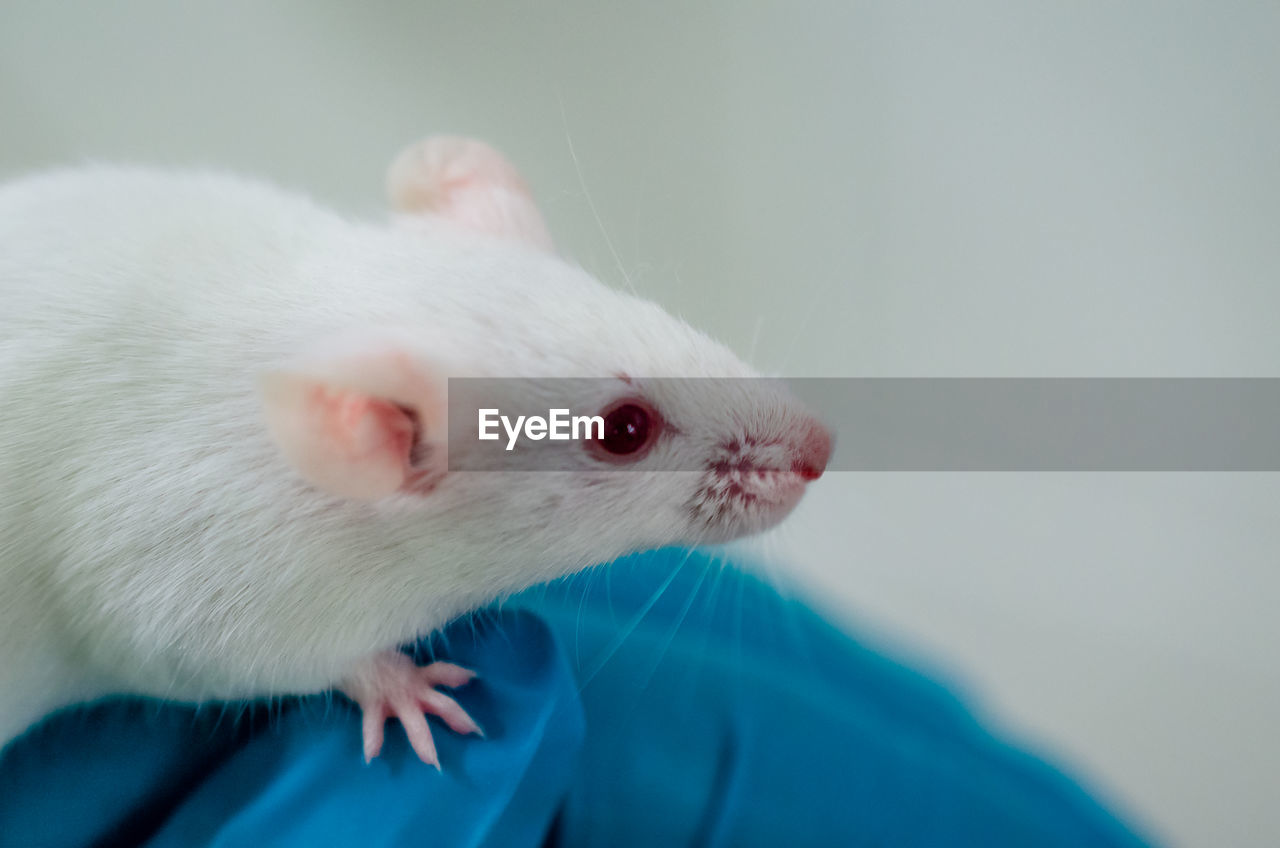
[812, 447]
[754, 481]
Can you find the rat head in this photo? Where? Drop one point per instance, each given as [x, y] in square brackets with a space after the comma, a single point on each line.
[685, 443]
[680, 441]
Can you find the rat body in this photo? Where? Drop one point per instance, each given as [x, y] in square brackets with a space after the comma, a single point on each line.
[222, 471]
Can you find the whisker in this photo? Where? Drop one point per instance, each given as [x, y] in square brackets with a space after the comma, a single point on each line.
[582, 181]
[675, 627]
[633, 623]
[755, 339]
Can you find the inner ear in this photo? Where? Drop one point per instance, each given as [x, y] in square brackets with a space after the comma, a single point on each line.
[469, 183]
[352, 423]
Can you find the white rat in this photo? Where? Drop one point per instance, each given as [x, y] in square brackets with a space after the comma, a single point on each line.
[222, 471]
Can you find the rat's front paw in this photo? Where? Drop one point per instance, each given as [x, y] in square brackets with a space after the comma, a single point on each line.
[391, 685]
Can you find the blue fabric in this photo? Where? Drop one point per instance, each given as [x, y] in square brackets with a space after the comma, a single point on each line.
[664, 700]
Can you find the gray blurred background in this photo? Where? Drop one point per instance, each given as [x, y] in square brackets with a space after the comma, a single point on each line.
[847, 189]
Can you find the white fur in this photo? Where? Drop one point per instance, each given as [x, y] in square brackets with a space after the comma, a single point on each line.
[152, 537]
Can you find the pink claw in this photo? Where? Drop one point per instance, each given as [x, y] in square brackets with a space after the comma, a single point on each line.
[390, 685]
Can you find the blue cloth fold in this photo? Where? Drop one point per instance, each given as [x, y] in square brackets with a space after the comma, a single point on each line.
[135, 771]
[663, 700]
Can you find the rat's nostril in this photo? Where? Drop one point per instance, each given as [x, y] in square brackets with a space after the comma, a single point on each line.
[808, 472]
[813, 448]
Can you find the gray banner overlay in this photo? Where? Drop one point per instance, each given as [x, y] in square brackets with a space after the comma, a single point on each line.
[928, 424]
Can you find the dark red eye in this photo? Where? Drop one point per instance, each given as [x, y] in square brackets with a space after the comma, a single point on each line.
[629, 430]
[626, 429]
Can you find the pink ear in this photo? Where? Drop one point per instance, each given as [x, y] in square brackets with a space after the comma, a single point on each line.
[469, 183]
[347, 419]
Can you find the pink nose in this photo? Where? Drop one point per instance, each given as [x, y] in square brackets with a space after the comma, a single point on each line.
[813, 449]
